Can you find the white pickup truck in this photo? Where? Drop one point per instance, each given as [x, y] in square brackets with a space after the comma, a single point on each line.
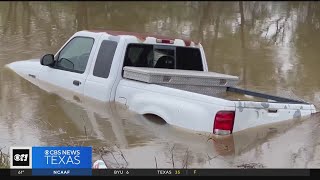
[166, 77]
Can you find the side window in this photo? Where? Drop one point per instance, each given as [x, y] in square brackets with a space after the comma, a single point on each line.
[74, 56]
[104, 58]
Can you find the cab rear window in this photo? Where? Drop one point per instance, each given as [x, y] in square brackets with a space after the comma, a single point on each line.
[169, 57]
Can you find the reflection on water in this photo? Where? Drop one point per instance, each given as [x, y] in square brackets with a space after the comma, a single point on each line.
[270, 45]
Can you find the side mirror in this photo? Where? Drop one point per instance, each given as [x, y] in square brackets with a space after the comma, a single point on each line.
[47, 60]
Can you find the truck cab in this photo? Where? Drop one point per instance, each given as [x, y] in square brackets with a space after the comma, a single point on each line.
[91, 62]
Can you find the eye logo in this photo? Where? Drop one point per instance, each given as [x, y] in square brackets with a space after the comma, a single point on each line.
[17, 157]
[21, 157]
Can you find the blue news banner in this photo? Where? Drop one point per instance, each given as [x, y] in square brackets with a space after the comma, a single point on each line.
[76, 161]
[61, 160]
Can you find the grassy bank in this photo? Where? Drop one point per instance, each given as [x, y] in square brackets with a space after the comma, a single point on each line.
[4, 160]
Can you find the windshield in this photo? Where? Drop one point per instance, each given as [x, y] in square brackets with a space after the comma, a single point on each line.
[169, 57]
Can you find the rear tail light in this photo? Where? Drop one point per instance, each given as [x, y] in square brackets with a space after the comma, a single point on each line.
[223, 122]
[166, 41]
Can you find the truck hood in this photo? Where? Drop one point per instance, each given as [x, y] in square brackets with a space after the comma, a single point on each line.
[26, 67]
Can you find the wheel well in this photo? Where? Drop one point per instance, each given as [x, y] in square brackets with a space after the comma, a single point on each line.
[154, 118]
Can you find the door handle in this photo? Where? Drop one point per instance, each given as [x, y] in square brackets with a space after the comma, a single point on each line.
[272, 110]
[76, 83]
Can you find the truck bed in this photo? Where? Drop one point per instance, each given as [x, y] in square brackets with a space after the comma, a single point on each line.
[206, 83]
[238, 94]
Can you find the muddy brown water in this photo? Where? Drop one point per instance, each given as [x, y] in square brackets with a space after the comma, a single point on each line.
[271, 46]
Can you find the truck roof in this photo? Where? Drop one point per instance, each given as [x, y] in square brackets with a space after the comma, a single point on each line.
[143, 36]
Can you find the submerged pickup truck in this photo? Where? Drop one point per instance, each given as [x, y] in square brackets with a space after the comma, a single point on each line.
[162, 76]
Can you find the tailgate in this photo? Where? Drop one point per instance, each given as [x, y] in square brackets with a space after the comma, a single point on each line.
[250, 114]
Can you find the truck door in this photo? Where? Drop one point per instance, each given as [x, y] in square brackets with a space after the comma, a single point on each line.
[104, 70]
[71, 67]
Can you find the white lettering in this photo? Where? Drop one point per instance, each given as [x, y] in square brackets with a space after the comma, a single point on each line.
[25, 157]
[61, 171]
[53, 158]
[75, 152]
[69, 160]
[164, 171]
[47, 159]
[118, 172]
[77, 161]
[61, 159]
[55, 152]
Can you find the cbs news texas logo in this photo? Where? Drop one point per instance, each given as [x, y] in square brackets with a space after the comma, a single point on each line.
[47, 157]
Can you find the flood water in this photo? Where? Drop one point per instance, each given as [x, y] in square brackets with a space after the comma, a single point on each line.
[271, 46]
